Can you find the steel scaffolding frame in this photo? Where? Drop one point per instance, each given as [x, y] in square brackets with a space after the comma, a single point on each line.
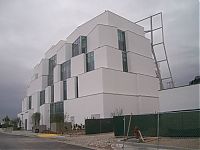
[151, 31]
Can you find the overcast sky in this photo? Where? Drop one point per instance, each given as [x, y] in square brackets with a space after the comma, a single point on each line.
[28, 28]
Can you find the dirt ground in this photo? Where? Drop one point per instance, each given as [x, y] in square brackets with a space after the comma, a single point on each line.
[193, 143]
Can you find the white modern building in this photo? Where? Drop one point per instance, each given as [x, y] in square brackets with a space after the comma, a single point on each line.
[104, 66]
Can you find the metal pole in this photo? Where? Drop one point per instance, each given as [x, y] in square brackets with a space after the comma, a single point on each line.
[158, 127]
[124, 131]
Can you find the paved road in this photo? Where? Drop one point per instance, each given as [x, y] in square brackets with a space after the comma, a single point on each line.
[16, 142]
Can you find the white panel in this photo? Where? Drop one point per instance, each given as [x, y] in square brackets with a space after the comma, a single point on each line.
[53, 50]
[108, 57]
[108, 36]
[148, 105]
[43, 67]
[147, 86]
[113, 103]
[124, 24]
[77, 65]
[56, 73]
[48, 94]
[71, 88]
[82, 108]
[29, 120]
[36, 101]
[181, 98]
[138, 44]
[85, 28]
[64, 54]
[93, 39]
[45, 115]
[140, 64]
[58, 91]
[119, 82]
[90, 83]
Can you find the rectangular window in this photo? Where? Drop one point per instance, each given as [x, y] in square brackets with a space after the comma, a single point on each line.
[52, 64]
[79, 46]
[66, 70]
[65, 90]
[76, 87]
[121, 40]
[52, 93]
[124, 62]
[90, 61]
[42, 97]
[29, 102]
[56, 112]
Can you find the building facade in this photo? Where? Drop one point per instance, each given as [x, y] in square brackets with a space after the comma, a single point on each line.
[102, 68]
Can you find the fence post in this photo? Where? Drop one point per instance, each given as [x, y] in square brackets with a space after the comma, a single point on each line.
[124, 131]
[158, 126]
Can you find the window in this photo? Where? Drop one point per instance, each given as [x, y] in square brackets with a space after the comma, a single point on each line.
[29, 102]
[42, 97]
[66, 70]
[56, 112]
[52, 64]
[79, 46]
[121, 40]
[76, 87]
[65, 90]
[124, 62]
[52, 93]
[90, 61]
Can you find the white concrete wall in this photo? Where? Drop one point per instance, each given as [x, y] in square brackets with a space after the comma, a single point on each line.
[119, 82]
[53, 50]
[65, 53]
[181, 98]
[147, 85]
[90, 83]
[71, 88]
[36, 102]
[138, 44]
[140, 64]
[45, 115]
[58, 91]
[108, 57]
[37, 85]
[78, 65]
[48, 94]
[43, 68]
[56, 73]
[102, 35]
[84, 107]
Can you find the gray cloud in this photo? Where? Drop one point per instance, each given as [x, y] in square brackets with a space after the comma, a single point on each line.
[28, 28]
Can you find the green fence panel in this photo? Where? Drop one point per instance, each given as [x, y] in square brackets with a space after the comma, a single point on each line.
[94, 126]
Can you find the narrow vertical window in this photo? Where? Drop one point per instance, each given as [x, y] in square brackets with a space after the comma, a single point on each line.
[52, 64]
[42, 97]
[66, 70]
[90, 61]
[52, 93]
[121, 40]
[76, 80]
[29, 102]
[124, 62]
[65, 90]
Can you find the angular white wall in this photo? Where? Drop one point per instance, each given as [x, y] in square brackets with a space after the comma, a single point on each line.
[108, 57]
[65, 53]
[71, 88]
[84, 107]
[181, 98]
[58, 91]
[36, 102]
[45, 115]
[138, 44]
[48, 94]
[78, 65]
[56, 73]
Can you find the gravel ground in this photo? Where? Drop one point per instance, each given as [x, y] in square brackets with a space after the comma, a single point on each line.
[97, 141]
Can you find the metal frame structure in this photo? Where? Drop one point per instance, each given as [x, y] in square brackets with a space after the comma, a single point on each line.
[151, 31]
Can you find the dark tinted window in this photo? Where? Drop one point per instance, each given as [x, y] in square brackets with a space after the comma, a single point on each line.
[79, 46]
[42, 97]
[66, 70]
[90, 61]
[121, 40]
[124, 62]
